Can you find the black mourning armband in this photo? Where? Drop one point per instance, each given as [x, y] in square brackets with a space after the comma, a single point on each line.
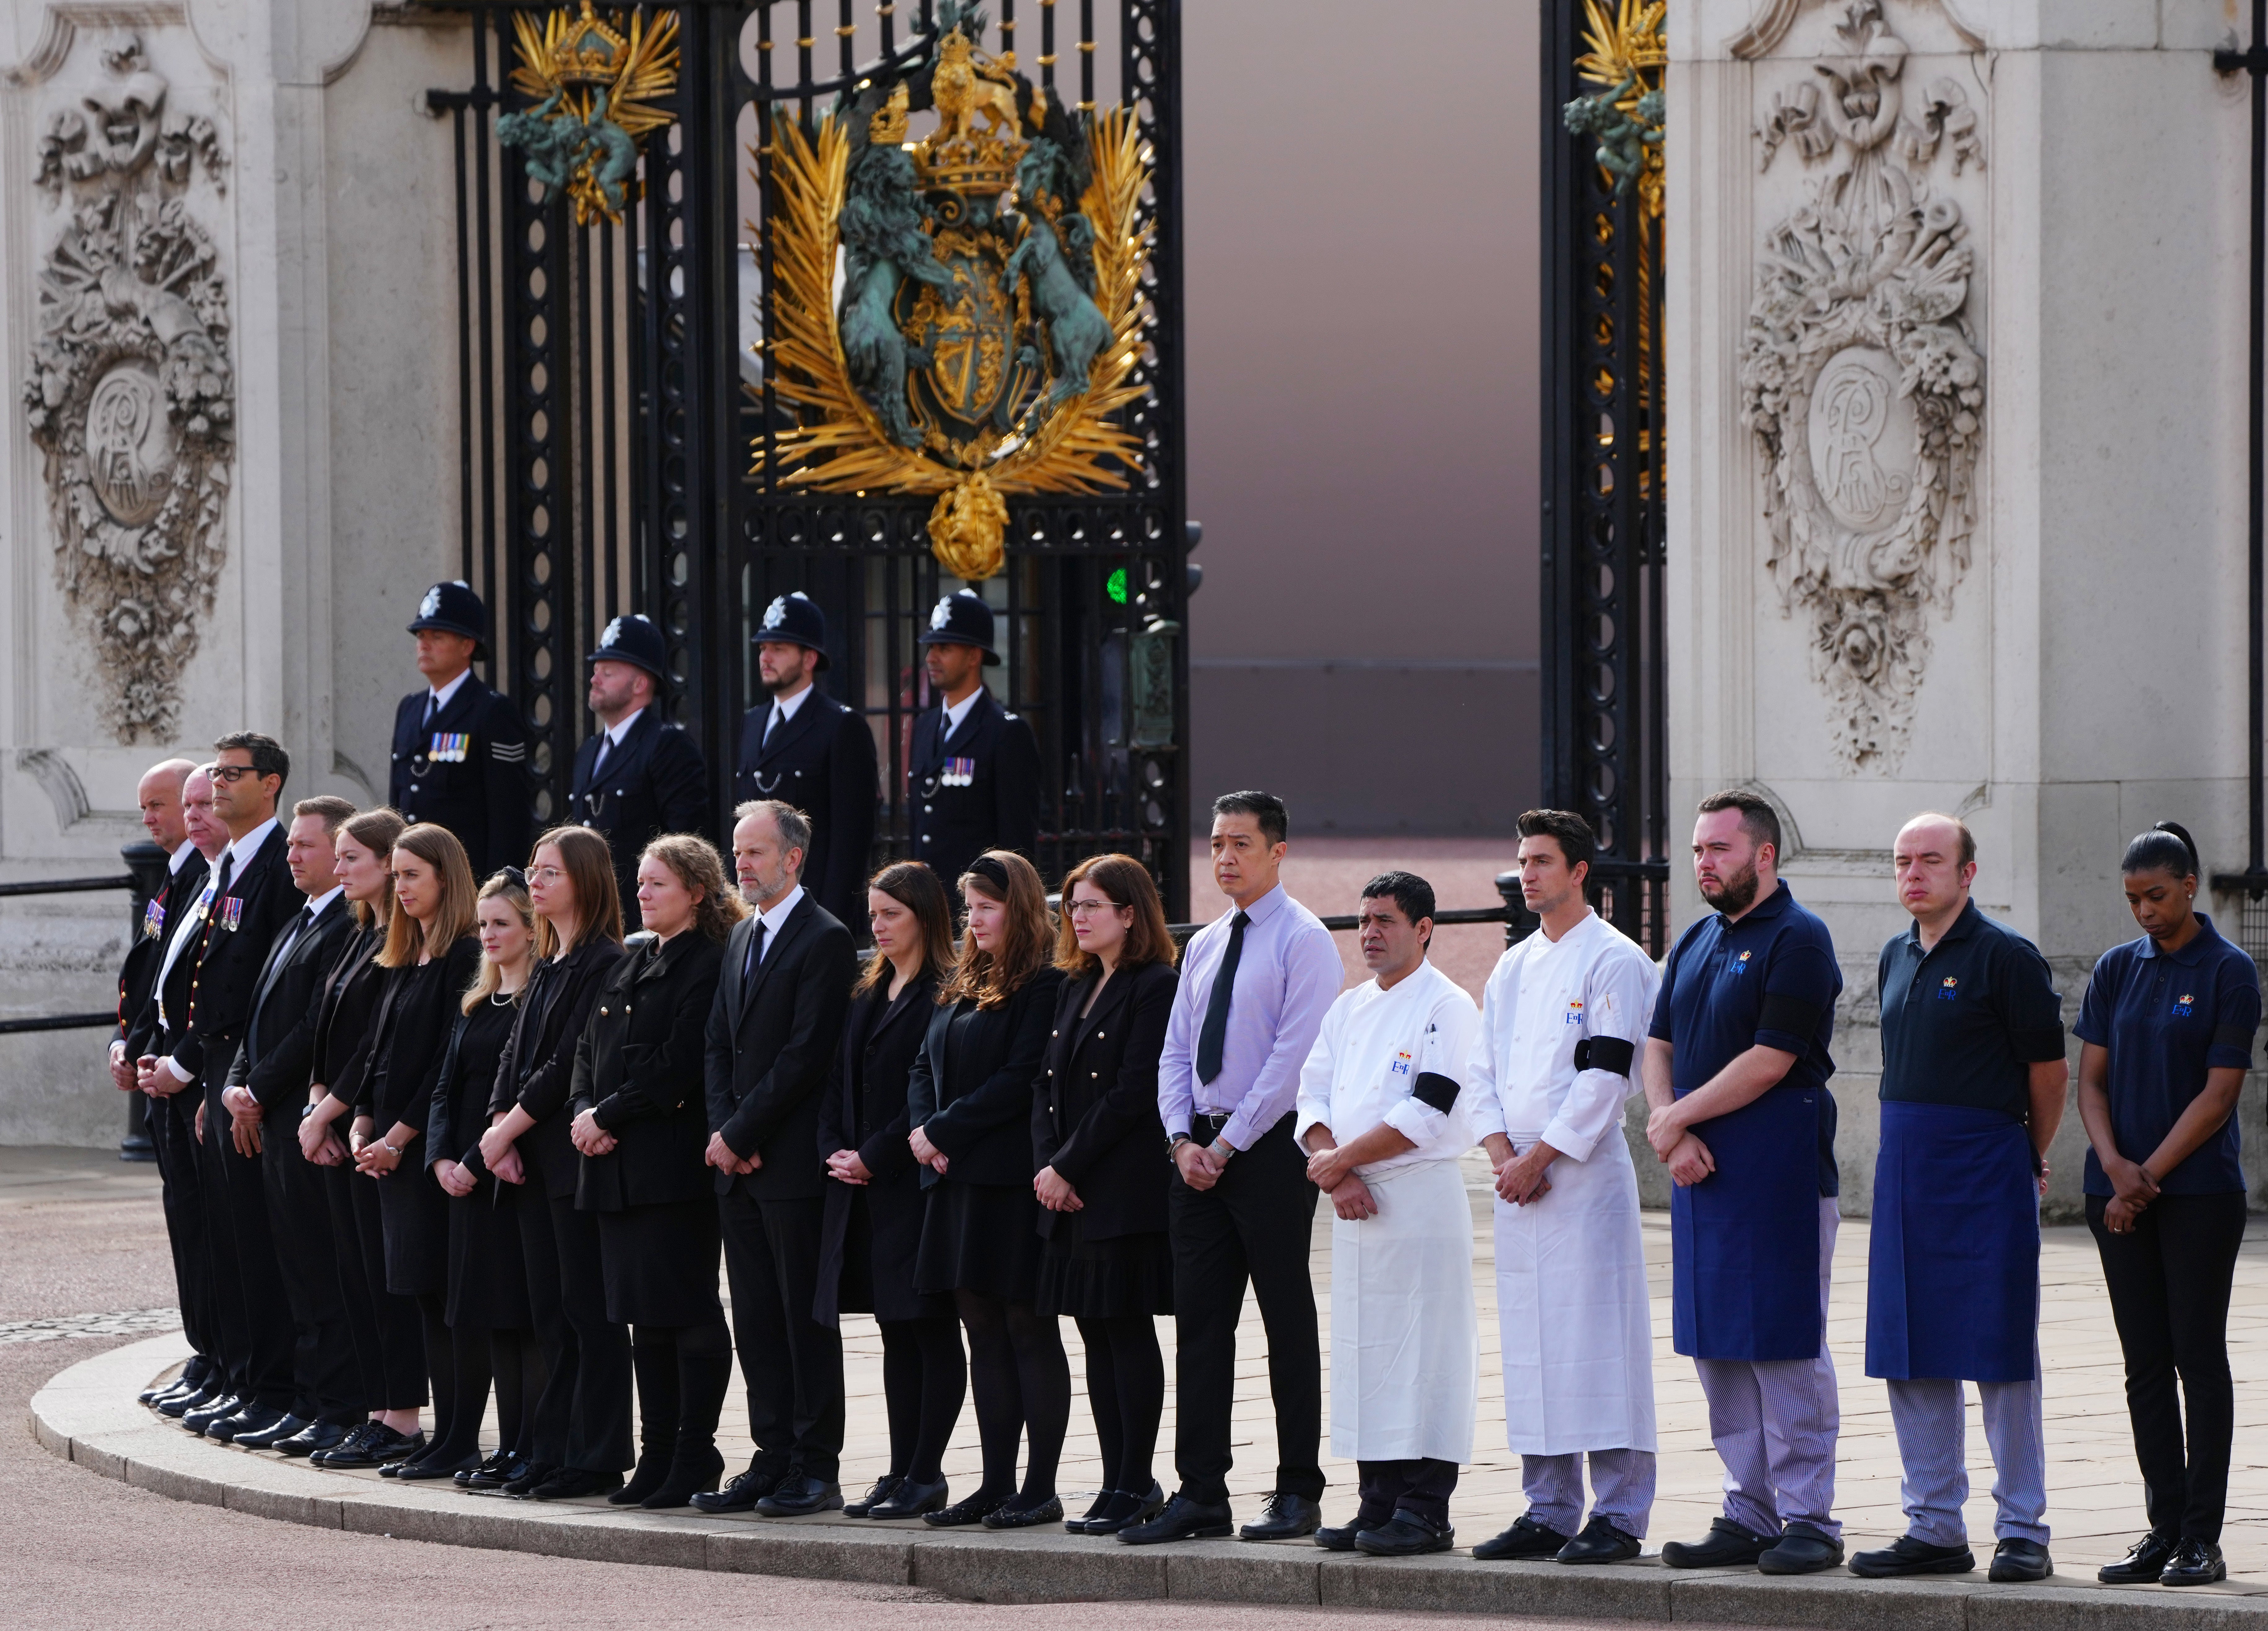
[2232, 1037]
[1792, 1015]
[1611, 1054]
[1435, 1091]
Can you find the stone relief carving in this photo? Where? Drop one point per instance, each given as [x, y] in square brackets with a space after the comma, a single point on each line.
[1860, 379]
[130, 393]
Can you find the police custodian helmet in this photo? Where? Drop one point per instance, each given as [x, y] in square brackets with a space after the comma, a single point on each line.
[793, 619]
[635, 640]
[962, 618]
[454, 609]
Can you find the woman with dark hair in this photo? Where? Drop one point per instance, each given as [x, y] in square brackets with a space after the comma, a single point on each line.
[642, 1124]
[582, 1430]
[968, 1101]
[1104, 1170]
[2167, 1027]
[871, 1232]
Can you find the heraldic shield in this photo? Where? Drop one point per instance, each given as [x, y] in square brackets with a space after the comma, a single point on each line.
[990, 313]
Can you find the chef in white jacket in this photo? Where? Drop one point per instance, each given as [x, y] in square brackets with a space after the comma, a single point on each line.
[1562, 1020]
[1382, 1116]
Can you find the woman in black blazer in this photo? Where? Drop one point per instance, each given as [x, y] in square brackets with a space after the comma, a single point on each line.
[1103, 1168]
[872, 1231]
[642, 1123]
[969, 1099]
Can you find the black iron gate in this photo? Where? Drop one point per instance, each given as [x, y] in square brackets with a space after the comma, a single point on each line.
[1604, 459]
[614, 396]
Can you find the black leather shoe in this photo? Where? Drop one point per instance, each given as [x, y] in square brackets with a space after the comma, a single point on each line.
[380, 1446]
[432, 1467]
[1339, 1538]
[1014, 1516]
[885, 1486]
[1728, 1545]
[576, 1484]
[173, 1406]
[1126, 1510]
[2017, 1561]
[1284, 1517]
[157, 1390]
[1803, 1550]
[2145, 1561]
[492, 1474]
[1906, 1555]
[251, 1419]
[2194, 1563]
[532, 1477]
[309, 1439]
[204, 1415]
[1525, 1538]
[268, 1438]
[1405, 1534]
[1182, 1519]
[799, 1495]
[349, 1450]
[911, 1500]
[741, 1493]
[967, 1510]
[1601, 1542]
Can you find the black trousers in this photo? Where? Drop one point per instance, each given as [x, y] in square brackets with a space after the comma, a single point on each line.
[598, 1412]
[2169, 1282]
[337, 1185]
[1421, 1485]
[792, 1363]
[399, 1325]
[1255, 1225]
[255, 1315]
[171, 1122]
[543, 1437]
[326, 1377]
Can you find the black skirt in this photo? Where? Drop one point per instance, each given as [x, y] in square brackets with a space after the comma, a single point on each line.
[980, 1238]
[1113, 1279]
[415, 1211]
[881, 1243]
[660, 1263]
[488, 1273]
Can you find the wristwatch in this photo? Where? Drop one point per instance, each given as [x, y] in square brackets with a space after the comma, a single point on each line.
[1220, 1149]
[1173, 1142]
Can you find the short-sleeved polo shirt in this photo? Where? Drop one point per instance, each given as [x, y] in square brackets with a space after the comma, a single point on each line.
[1770, 978]
[2167, 1018]
[1963, 1022]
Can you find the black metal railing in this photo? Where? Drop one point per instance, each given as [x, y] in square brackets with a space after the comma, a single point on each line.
[1519, 922]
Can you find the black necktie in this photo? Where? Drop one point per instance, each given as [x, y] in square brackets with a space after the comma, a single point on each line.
[432, 706]
[605, 744]
[227, 872]
[1213, 1039]
[945, 728]
[755, 955]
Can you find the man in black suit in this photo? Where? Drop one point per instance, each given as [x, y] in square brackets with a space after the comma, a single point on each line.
[639, 777]
[788, 967]
[203, 1002]
[266, 1094]
[807, 749]
[459, 749]
[974, 767]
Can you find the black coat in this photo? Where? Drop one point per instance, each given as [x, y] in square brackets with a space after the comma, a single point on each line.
[822, 761]
[457, 1114]
[478, 787]
[343, 1008]
[999, 806]
[638, 1069]
[865, 1108]
[1094, 1118]
[772, 1042]
[538, 1067]
[239, 928]
[279, 1039]
[654, 783]
[977, 1107]
[138, 976]
[418, 1008]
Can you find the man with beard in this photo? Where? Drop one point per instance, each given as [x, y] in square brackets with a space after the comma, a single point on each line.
[1736, 1068]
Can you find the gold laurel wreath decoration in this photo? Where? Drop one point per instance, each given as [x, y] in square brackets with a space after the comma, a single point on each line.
[645, 78]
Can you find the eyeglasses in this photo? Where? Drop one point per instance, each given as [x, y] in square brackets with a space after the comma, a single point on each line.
[1080, 908]
[545, 874]
[233, 773]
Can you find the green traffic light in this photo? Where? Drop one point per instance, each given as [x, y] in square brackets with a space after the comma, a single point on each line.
[1116, 586]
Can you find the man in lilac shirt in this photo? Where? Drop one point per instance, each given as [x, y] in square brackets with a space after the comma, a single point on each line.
[1255, 987]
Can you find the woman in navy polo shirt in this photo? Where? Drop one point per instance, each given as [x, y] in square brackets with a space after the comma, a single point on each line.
[2167, 1025]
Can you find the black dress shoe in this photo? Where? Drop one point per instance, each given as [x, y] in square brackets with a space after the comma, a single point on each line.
[175, 1406]
[1525, 1538]
[1182, 1519]
[741, 1493]
[1727, 1546]
[799, 1495]
[885, 1486]
[2017, 1561]
[694, 1470]
[350, 1444]
[309, 1439]
[911, 1500]
[1126, 1510]
[533, 1476]
[251, 1419]
[433, 1466]
[493, 1473]
[1405, 1534]
[268, 1438]
[1907, 1556]
[1284, 1517]
[2194, 1563]
[1047, 1511]
[1803, 1550]
[157, 1390]
[377, 1446]
[576, 1484]
[967, 1510]
[1339, 1537]
[1601, 1542]
[2145, 1561]
[204, 1415]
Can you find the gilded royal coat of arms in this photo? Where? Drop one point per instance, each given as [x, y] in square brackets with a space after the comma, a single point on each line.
[960, 313]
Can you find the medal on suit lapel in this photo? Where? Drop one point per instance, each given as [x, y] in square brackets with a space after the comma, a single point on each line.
[958, 773]
[231, 912]
[450, 748]
[153, 919]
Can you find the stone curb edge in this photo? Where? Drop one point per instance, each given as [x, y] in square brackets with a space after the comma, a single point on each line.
[86, 1415]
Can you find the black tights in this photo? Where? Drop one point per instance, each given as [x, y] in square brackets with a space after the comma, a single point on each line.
[682, 1372]
[441, 1366]
[1126, 1388]
[1018, 1371]
[925, 1378]
[516, 1359]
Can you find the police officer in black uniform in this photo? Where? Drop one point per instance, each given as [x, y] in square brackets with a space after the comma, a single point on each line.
[459, 749]
[974, 766]
[804, 748]
[639, 777]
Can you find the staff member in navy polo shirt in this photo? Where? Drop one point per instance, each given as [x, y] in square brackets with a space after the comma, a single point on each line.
[1973, 1079]
[1736, 1068]
[2168, 1027]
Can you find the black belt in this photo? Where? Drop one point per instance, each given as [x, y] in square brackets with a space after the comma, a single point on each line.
[1212, 1124]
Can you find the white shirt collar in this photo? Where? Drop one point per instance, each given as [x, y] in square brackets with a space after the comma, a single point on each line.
[786, 706]
[778, 915]
[958, 711]
[246, 847]
[622, 727]
[442, 693]
[179, 858]
[318, 905]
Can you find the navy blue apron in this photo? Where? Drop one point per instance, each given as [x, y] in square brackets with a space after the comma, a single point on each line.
[1745, 1279]
[1952, 1268]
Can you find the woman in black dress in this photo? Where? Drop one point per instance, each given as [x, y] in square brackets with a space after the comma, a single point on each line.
[582, 1429]
[875, 1205]
[1104, 1172]
[431, 954]
[642, 1124]
[491, 1334]
[969, 1099]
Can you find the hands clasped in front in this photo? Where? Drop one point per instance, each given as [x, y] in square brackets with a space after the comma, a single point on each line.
[1686, 1156]
[1332, 1171]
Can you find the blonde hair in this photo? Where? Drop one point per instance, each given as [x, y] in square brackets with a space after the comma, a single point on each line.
[375, 830]
[702, 871]
[453, 917]
[992, 978]
[490, 978]
[590, 867]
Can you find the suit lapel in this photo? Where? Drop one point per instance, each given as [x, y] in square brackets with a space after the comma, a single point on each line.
[1106, 1006]
[794, 729]
[972, 721]
[789, 932]
[459, 708]
[905, 1002]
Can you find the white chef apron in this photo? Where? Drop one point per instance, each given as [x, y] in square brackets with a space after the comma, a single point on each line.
[1578, 1336]
[1406, 1367]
